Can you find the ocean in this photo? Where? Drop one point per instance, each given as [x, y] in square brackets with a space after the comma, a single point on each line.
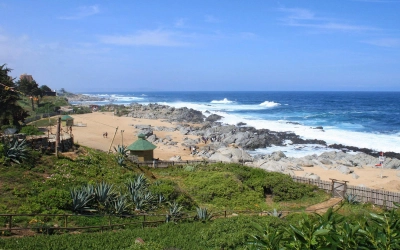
[360, 119]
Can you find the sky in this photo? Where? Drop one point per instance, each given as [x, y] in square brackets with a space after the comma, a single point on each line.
[225, 45]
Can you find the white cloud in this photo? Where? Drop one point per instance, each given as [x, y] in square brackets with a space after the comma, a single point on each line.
[384, 42]
[82, 12]
[298, 17]
[148, 38]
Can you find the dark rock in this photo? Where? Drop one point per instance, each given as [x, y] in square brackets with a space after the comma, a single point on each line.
[213, 118]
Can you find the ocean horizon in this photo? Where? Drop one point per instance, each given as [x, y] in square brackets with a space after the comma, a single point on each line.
[362, 119]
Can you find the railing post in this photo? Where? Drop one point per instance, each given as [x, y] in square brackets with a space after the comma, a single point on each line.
[10, 222]
[65, 221]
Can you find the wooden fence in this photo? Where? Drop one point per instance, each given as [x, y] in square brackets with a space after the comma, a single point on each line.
[63, 222]
[165, 164]
[363, 194]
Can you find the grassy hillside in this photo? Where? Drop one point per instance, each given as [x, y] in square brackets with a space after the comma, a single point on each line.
[43, 184]
[47, 104]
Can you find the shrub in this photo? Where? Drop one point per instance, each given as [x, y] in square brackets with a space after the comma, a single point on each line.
[54, 199]
[30, 130]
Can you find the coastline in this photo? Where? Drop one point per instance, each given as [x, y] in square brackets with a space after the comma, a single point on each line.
[99, 122]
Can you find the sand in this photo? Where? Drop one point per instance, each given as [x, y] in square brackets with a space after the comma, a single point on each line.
[99, 122]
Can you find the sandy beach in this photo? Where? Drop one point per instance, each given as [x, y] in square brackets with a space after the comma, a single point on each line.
[98, 123]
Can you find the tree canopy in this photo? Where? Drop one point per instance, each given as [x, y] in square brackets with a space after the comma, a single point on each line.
[11, 114]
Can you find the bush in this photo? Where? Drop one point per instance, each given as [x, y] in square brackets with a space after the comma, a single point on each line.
[53, 199]
[30, 130]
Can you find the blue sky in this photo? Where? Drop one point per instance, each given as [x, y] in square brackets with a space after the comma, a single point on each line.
[82, 46]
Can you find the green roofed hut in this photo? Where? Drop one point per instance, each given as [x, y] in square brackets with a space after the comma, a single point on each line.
[67, 120]
[142, 149]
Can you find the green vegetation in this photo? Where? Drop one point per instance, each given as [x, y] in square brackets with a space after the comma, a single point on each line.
[30, 130]
[207, 206]
[11, 114]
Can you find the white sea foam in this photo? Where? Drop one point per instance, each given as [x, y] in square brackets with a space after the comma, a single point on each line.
[330, 134]
[269, 104]
[295, 150]
[224, 101]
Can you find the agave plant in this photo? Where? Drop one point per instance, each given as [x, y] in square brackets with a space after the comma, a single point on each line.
[120, 160]
[80, 199]
[137, 185]
[203, 214]
[121, 150]
[351, 199]
[16, 150]
[89, 189]
[174, 213]
[160, 199]
[120, 205]
[104, 194]
[275, 213]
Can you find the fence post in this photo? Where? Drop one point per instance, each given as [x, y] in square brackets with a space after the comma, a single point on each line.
[10, 222]
[65, 220]
[225, 213]
[109, 221]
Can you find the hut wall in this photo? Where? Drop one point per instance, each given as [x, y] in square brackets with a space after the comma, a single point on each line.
[143, 155]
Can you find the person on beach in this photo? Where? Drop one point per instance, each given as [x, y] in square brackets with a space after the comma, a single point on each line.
[106, 134]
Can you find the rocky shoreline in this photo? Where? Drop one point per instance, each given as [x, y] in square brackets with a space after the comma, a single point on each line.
[230, 143]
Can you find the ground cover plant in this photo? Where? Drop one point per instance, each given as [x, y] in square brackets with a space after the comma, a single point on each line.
[198, 194]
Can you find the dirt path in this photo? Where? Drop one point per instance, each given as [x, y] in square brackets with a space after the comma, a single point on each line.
[323, 206]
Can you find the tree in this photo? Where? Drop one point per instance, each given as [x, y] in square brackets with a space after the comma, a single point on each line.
[45, 88]
[10, 112]
[31, 89]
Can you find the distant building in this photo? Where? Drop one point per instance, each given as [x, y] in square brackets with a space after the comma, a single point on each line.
[142, 149]
[67, 120]
[29, 78]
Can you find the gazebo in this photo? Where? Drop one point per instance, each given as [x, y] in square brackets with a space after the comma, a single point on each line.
[67, 120]
[142, 149]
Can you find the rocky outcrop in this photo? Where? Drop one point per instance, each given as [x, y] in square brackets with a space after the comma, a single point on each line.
[157, 111]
